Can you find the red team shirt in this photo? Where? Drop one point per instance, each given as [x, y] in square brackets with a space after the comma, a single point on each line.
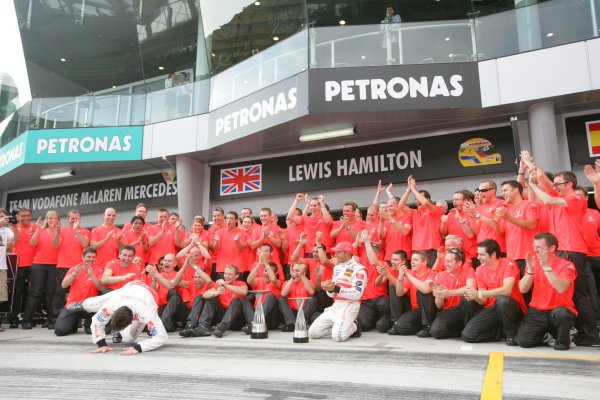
[297, 290]
[227, 296]
[426, 228]
[108, 251]
[229, 253]
[485, 230]
[45, 252]
[544, 296]
[412, 289]
[70, 250]
[567, 223]
[454, 282]
[488, 279]
[117, 270]
[519, 240]
[591, 224]
[83, 286]
[25, 250]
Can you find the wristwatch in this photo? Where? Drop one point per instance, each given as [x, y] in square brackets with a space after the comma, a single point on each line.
[547, 269]
[477, 215]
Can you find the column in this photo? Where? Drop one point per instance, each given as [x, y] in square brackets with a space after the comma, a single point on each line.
[190, 179]
[544, 139]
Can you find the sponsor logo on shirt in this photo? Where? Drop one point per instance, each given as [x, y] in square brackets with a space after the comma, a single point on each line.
[360, 275]
[152, 329]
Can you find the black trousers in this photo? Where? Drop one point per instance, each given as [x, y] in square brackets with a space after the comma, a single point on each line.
[398, 305]
[289, 314]
[492, 323]
[60, 294]
[175, 310]
[41, 277]
[230, 318]
[269, 309]
[537, 323]
[593, 271]
[67, 321]
[522, 263]
[20, 293]
[450, 322]
[585, 322]
[194, 315]
[413, 320]
[375, 313]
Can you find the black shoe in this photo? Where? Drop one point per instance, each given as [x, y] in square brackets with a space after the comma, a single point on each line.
[358, 331]
[50, 325]
[218, 333]
[186, 333]
[561, 346]
[510, 341]
[26, 325]
[201, 331]
[393, 331]
[171, 328]
[247, 329]
[586, 341]
[14, 324]
[117, 338]
[288, 328]
[424, 332]
[87, 330]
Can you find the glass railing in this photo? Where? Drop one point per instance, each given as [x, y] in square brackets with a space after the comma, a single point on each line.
[543, 25]
[265, 68]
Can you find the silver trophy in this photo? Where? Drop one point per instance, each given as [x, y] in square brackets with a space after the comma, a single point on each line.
[259, 325]
[301, 331]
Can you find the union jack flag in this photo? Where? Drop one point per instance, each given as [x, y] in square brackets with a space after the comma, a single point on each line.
[246, 179]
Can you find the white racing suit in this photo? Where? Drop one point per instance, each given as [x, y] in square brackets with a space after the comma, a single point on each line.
[350, 279]
[141, 300]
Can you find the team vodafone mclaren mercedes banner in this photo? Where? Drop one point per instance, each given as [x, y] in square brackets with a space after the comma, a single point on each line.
[406, 87]
[96, 197]
[467, 153]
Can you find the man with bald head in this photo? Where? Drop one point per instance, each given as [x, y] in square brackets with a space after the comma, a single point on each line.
[104, 238]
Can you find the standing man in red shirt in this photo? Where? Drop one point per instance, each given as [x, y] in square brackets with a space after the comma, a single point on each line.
[104, 238]
[73, 239]
[498, 293]
[267, 233]
[22, 235]
[426, 220]
[591, 226]
[551, 308]
[223, 304]
[520, 219]
[319, 221]
[482, 216]
[84, 282]
[567, 211]
[348, 227]
[218, 219]
[231, 243]
[163, 237]
[457, 222]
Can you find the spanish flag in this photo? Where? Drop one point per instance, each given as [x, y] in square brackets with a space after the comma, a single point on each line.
[593, 131]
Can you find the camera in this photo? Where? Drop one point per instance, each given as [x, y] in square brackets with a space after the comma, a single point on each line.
[12, 218]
